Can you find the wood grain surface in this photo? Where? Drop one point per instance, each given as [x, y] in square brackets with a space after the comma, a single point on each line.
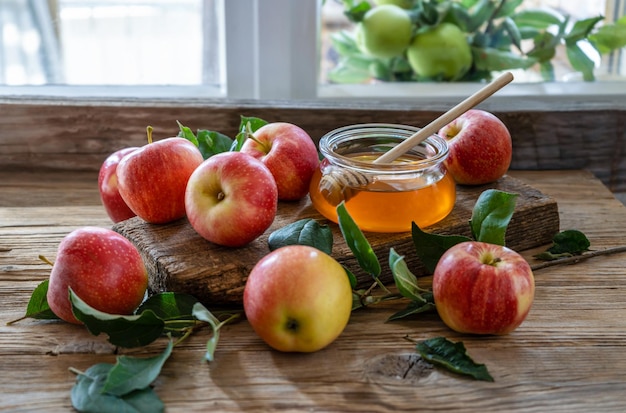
[566, 357]
[178, 259]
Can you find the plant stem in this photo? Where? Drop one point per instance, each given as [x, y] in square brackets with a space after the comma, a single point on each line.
[577, 258]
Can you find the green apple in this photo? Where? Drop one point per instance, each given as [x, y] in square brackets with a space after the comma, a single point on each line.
[440, 51]
[298, 299]
[385, 31]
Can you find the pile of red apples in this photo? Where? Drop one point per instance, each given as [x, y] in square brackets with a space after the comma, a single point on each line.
[231, 199]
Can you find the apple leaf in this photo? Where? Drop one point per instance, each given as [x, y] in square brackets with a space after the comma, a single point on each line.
[609, 36]
[565, 244]
[38, 304]
[453, 357]
[430, 247]
[134, 373]
[581, 29]
[124, 331]
[416, 307]
[87, 394]
[303, 232]
[246, 121]
[538, 18]
[492, 59]
[208, 142]
[491, 216]
[356, 12]
[203, 314]
[175, 309]
[358, 244]
[404, 279]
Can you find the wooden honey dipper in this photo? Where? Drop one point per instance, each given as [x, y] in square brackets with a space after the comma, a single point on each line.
[335, 185]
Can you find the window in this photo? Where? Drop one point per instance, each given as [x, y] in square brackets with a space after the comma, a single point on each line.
[247, 49]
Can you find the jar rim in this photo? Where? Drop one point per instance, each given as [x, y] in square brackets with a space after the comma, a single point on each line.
[348, 133]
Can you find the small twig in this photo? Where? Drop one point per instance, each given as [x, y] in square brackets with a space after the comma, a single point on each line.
[577, 258]
[6, 249]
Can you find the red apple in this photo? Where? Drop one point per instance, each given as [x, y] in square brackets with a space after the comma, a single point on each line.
[110, 196]
[152, 179]
[483, 288]
[480, 147]
[231, 199]
[298, 299]
[102, 267]
[289, 153]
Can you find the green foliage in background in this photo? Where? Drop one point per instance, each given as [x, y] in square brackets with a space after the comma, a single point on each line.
[497, 34]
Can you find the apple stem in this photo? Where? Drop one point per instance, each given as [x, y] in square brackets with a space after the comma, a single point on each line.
[149, 133]
[44, 259]
[250, 135]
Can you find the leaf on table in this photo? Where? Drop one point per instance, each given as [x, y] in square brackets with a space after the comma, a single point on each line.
[303, 232]
[170, 307]
[430, 247]
[203, 314]
[38, 307]
[424, 305]
[124, 331]
[356, 241]
[87, 395]
[453, 357]
[405, 280]
[208, 142]
[565, 244]
[491, 216]
[134, 373]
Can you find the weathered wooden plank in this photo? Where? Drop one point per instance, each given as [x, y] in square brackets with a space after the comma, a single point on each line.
[178, 259]
[79, 133]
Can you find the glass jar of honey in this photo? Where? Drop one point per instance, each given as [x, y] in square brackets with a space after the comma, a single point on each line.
[383, 197]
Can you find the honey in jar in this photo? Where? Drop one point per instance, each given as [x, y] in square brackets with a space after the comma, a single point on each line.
[384, 197]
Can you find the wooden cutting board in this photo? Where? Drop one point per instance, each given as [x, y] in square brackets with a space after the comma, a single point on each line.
[178, 259]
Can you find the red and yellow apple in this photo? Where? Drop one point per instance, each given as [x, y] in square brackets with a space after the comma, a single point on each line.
[440, 52]
[480, 148]
[483, 288]
[231, 199]
[102, 267]
[152, 179]
[289, 153]
[298, 299]
[112, 201]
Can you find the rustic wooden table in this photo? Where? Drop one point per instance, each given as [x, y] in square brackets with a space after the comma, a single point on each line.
[567, 356]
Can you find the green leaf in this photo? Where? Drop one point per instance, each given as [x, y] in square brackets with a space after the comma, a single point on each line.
[491, 215]
[492, 59]
[203, 314]
[427, 304]
[508, 8]
[211, 143]
[547, 71]
[453, 357]
[458, 15]
[544, 47]
[565, 244]
[356, 12]
[358, 244]
[405, 280]
[538, 18]
[514, 33]
[123, 331]
[169, 305]
[580, 61]
[581, 29]
[609, 37]
[134, 373]
[481, 14]
[208, 142]
[38, 307]
[187, 133]
[430, 247]
[87, 395]
[344, 43]
[351, 277]
[343, 73]
[303, 232]
[254, 124]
